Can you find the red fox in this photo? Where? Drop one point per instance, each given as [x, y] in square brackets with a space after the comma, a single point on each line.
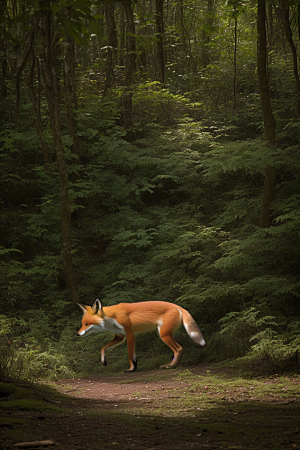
[127, 319]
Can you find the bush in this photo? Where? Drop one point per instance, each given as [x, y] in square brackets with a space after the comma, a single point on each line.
[24, 358]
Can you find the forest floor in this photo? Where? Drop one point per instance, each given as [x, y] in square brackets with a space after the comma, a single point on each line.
[204, 407]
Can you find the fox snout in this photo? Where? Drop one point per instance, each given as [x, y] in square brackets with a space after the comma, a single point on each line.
[81, 333]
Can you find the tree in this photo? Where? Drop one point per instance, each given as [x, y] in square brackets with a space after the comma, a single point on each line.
[130, 65]
[285, 18]
[70, 92]
[268, 118]
[20, 67]
[159, 21]
[207, 32]
[112, 44]
[37, 115]
[49, 41]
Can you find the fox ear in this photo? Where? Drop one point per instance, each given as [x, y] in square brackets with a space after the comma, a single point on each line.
[83, 307]
[96, 306]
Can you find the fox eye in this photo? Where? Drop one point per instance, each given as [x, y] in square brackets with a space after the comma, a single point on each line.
[87, 324]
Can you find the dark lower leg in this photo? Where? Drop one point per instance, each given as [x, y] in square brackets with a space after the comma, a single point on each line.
[176, 349]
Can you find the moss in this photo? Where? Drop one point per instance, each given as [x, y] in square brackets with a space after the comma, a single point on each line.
[6, 389]
[28, 398]
[27, 404]
[14, 391]
[11, 422]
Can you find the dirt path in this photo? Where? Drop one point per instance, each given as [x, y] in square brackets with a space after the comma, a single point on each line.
[199, 408]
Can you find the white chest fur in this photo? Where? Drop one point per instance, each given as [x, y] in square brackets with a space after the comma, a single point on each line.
[113, 326]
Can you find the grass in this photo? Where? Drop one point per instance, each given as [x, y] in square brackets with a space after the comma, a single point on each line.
[200, 407]
[25, 398]
[22, 408]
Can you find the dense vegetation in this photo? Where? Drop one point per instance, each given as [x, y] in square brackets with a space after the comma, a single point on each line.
[149, 181]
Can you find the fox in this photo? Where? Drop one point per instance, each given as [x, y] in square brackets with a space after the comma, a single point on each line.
[125, 320]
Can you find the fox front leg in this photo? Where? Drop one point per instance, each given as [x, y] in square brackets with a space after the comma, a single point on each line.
[116, 341]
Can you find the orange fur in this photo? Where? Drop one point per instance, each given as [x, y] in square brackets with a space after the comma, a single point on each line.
[126, 320]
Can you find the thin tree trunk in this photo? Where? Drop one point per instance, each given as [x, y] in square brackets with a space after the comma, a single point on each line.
[143, 30]
[122, 37]
[285, 11]
[3, 45]
[49, 70]
[159, 21]
[38, 121]
[70, 92]
[299, 19]
[206, 33]
[234, 63]
[18, 78]
[270, 25]
[4, 89]
[126, 100]
[111, 45]
[187, 41]
[130, 42]
[268, 118]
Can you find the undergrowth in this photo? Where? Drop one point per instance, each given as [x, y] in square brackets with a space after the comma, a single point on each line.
[173, 215]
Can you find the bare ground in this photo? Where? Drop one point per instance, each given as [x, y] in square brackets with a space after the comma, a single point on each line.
[199, 408]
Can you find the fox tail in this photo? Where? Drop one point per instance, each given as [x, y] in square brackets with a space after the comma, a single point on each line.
[192, 329]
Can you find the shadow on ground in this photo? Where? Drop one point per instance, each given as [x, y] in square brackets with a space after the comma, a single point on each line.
[143, 413]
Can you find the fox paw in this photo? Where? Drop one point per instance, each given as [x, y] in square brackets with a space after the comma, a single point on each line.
[134, 367]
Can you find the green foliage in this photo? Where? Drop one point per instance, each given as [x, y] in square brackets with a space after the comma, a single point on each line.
[238, 329]
[173, 216]
[267, 340]
[155, 105]
[26, 356]
[278, 350]
[72, 20]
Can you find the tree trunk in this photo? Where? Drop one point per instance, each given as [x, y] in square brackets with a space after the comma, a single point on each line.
[18, 78]
[206, 33]
[126, 100]
[4, 89]
[143, 54]
[285, 13]
[3, 50]
[70, 92]
[268, 118]
[298, 19]
[234, 63]
[49, 70]
[122, 37]
[159, 21]
[112, 45]
[38, 122]
[186, 40]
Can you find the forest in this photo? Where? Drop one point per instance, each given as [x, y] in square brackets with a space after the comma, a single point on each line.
[149, 151]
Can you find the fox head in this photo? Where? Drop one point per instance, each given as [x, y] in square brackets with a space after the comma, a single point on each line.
[92, 320]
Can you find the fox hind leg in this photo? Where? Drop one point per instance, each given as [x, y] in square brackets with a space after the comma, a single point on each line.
[176, 349]
[166, 334]
[132, 359]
